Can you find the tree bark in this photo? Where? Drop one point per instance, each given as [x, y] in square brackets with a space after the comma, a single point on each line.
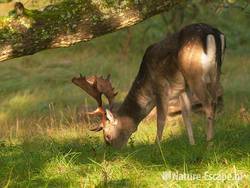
[69, 22]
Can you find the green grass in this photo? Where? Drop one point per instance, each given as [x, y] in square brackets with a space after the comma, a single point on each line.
[43, 144]
[73, 157]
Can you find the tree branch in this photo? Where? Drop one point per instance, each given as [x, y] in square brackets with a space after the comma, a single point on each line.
[70, 22]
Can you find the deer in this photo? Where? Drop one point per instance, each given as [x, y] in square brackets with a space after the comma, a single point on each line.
[186, 62]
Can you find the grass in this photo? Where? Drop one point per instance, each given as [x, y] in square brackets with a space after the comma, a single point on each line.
[73, 157]
[43, 143]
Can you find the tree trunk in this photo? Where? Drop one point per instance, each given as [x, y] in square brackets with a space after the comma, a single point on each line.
[26, 32]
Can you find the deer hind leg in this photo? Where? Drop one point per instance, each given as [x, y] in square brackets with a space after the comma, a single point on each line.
[186, 109]
[210, 105]
[212, 89]
[210, 80]
[204, 94]
[161, 108]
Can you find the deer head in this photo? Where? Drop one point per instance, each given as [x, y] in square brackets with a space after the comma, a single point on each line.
[113, 131]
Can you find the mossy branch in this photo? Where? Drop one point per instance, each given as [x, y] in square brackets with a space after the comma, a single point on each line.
[26, 32]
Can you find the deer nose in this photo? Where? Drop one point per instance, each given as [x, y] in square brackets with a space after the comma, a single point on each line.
[108, 139]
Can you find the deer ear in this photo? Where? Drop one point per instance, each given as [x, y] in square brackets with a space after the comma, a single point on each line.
[110, 116]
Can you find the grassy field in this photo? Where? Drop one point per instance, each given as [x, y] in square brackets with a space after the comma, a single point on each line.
[43, 143]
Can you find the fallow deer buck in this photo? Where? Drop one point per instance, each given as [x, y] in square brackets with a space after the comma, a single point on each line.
[187, 61]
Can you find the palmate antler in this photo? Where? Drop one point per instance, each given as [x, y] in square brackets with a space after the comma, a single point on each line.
[95, 87]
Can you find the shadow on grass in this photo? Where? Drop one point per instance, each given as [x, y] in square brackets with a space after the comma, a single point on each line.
[115, 183]
[27, 162]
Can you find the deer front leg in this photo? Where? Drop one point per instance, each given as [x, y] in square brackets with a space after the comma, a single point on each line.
[186, 115]
[161, 108]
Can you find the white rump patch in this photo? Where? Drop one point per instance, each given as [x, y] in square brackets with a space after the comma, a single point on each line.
[208, 60]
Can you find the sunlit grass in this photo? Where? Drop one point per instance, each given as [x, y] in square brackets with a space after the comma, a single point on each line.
[74, 157]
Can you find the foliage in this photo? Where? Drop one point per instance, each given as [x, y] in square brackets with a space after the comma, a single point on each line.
[5, 1]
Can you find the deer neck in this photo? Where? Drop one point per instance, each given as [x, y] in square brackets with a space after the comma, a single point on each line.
[139, 101]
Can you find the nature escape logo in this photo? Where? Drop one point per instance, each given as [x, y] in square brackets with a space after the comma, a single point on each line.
[169, 175]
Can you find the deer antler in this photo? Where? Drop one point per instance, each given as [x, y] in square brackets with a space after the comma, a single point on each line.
[95, 87]
[105, 87]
